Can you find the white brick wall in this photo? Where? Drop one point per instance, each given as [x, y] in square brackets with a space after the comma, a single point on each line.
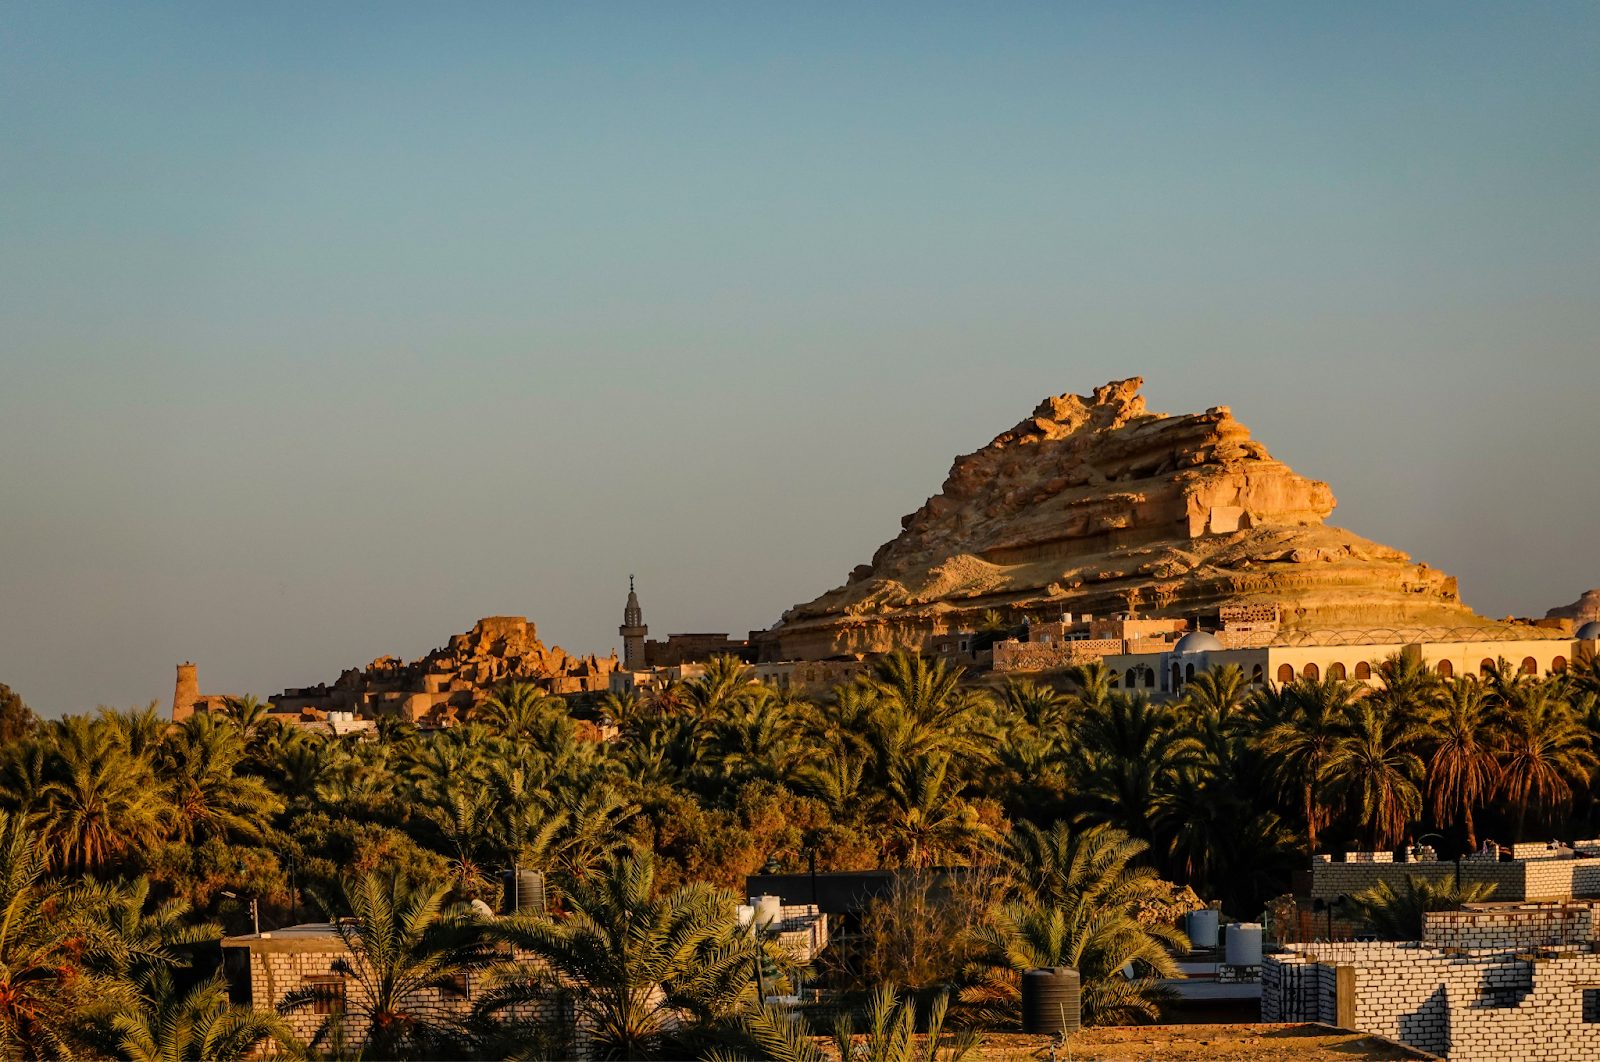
[1470, 1005]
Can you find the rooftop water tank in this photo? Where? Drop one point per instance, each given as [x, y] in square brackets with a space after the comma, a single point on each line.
[1052, 1000]
[524, 892]
[768, 910]
[1243, 944]
[1202, 928]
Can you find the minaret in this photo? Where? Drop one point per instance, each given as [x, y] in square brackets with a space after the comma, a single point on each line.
[186, 694]
[633, 631]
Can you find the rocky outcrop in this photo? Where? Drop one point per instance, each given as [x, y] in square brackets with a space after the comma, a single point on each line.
[1093, 504]
[1584, 610]
[451, 680]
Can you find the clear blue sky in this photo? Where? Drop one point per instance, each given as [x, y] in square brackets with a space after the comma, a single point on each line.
[327, 329]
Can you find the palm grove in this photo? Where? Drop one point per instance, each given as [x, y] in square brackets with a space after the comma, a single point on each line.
[129, 846]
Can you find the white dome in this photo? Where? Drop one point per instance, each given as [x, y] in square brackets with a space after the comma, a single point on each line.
[1589, 630]
[1198, 642]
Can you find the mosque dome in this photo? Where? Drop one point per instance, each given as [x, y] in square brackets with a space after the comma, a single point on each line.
[1589, 630]
[1198, 642]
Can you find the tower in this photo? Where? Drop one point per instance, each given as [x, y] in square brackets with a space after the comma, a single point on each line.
[186, 693]
[633, 631]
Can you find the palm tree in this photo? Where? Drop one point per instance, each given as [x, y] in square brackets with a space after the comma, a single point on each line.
[163, 1024]
[517, 708]
[1546, 749]
[1407, 686]
[102, 800]
[631, 961]
[144, 940]
[927, 817]
[1042, 707]
[245, 712]
[1463, 770]
[1217, 689]
[1306, 743]
[1093, 682]
[1398, 915]
[401, 946]
[41, 983]
[1079, 901]
[1128, 753]
[725, 680]
[210, 797]
[1375, 765]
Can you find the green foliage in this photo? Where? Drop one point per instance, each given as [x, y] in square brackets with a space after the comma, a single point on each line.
[16, 718]
[1397, 915]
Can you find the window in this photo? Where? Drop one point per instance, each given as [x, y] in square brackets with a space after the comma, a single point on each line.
[1149, 678]
[455, 987]
[1530, 666]
[1285, 674]
[1255, 675]
[1591, 1006]
[1116, 680]
[327, 994]
[1363, 670]
[1188, 673]
[1559, 664]
[1176, 677]
[1485, 666]
[1336, 670]
[1132, 678]
[1311, 672]
[1445, 669]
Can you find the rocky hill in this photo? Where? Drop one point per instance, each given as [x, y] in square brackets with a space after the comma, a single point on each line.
[1584, 610]
[1094, 504]
[451, 680]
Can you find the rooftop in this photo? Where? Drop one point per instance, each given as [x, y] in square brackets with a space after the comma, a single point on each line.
[1199, 1043]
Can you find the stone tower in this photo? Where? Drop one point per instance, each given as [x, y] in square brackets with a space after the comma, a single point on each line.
[187, 693]
[633, 631]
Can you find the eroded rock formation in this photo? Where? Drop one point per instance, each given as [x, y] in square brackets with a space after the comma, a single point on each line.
[448, 681]
[1584, 610]
[1095, 505]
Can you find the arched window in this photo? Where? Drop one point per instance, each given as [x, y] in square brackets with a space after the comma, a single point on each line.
[1336, 670]
[1311, 672]
[1177, 679]
[1446, 669]
[1132, 678]
[1255, 675]
[1115, 680]
[1485, 666]
[1559, 664]
[1149, 678]
[1286, 674]
[1188, 673]
[1363, 670]
[1530, 666]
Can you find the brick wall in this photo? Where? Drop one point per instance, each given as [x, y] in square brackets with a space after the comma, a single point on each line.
[1470, 1005]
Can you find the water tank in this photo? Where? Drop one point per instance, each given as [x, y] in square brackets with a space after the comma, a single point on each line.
[524, 892]
[1051, 1000]
[1202, 928]
[768, 910]
[1243, 944]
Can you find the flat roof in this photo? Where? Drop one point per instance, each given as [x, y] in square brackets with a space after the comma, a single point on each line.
[306, 931]
[1201, 1043]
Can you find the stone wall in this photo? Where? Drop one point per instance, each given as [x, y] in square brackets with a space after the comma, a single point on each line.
[1539, 879]
[1047, 656]
[1470, 1005]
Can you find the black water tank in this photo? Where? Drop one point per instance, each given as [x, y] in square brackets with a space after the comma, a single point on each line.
[524, 892]
[1051, 1000]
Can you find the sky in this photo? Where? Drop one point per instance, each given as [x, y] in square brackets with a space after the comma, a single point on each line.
[326, 329]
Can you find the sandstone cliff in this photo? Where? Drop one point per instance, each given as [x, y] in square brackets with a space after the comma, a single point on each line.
[1584, 610]
[1095, 505]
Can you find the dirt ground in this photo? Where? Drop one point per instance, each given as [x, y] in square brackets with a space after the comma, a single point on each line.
[1198, 1043]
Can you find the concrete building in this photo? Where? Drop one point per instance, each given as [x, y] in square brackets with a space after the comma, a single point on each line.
[1345, 654]
[1488, 984]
